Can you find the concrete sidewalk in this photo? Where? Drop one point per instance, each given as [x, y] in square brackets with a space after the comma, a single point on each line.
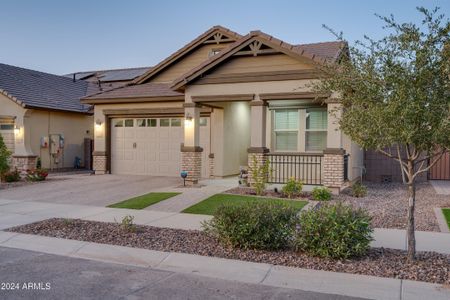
[14, 213]
[239, 271]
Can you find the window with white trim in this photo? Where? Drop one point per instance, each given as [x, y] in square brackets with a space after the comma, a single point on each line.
[286, 130]
[300, 130]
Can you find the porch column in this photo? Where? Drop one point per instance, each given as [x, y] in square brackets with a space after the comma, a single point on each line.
[23, 158]
[100, 157]
[191, 152]
[333, 155]
[257, 151]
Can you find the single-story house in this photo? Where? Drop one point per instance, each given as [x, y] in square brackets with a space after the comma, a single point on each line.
[227, 99]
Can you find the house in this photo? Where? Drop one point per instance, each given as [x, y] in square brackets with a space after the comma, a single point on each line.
[41, 116]
[223, 102]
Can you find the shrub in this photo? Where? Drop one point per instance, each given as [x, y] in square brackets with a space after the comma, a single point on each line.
[37, 175]
[127, 223]
[359, 190]
[263, 225]
[336, 231]
[259, 175]
[11, 176]
[292, 187]
[321, 194]
[4, 158]
[38, 163]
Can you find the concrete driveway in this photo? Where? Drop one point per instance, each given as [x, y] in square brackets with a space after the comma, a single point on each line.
[85, 189]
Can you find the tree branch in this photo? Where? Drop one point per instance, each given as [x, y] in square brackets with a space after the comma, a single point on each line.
[429, 166]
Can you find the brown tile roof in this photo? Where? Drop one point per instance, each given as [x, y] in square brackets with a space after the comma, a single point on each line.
[145, 90]
[319, 53]
[188, 47]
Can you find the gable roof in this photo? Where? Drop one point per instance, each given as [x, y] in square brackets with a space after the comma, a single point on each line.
[317, 53]
[34, 89]
[231, 35]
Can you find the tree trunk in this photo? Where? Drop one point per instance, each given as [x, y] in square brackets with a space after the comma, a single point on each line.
[410, 227]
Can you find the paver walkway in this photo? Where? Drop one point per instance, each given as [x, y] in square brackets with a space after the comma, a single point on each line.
[442, 187]
[193, 195]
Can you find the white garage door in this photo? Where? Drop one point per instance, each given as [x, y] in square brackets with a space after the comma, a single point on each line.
[151, 146]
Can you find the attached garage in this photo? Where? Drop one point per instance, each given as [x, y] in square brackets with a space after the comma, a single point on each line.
[151, 145]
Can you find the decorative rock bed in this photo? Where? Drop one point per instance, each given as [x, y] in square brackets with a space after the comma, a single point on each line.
[386, 203]
[429, 266]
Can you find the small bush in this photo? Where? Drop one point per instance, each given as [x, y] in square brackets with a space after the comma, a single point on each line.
[127, 224]
[11, 176]
[292, 188]
[260, 175]
[359, 190]
[336, 231]
[37, 175]
[321, 194]
[264, 225]
[4, 158]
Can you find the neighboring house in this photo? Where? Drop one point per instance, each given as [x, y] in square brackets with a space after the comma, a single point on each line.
[41, 116]
[227, 99]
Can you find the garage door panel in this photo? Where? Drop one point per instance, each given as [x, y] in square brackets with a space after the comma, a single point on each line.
[157, 150]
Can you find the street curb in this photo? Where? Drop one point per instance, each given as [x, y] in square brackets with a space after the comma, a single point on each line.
[346, 284]
[442, 222]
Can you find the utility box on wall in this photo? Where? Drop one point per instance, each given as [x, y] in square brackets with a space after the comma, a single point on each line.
[55, 143]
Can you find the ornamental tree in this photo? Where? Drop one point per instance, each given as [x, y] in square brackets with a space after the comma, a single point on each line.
[4, 158]
[395, 96]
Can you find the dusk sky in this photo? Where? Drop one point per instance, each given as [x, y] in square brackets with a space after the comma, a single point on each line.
[67, 36]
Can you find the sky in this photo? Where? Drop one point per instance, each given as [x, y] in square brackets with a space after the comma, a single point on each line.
[62, 36]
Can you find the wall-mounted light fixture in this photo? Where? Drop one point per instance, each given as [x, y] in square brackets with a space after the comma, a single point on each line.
[98, 122]
[16, 129]
[188, 120]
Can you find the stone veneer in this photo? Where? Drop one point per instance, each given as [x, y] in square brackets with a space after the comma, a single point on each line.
[191, 162]
[24, 162]
[333, 169]
[99, 163]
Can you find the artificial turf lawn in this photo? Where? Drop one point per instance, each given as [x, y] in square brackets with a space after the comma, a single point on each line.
[446, 212]
[143, 201]
[209, 206]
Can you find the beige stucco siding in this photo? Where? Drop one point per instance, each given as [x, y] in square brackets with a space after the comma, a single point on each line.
[355, 159]
[74, 127]
[230, 139]
[246, 64]
[185, 64]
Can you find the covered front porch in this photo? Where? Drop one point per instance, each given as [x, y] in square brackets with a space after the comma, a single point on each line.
[295, 132]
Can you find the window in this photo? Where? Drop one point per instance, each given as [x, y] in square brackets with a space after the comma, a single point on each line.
[164, 122]
[302, 130]
[152, 122]
[118, 123]
[129, 122]
[175, 122]
[286, 130]
[140, 122]
[6, 126]
[203, 122]
[316, 129]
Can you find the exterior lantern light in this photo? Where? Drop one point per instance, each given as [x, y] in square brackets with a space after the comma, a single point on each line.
[188, 120]
[98, 123]
[16, 129]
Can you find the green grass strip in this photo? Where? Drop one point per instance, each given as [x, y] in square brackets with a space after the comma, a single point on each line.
[143, 201]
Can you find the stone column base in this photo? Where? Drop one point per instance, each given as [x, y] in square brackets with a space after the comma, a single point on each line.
[24, 162]
[191, 162]
[333, 169]
[99, 162]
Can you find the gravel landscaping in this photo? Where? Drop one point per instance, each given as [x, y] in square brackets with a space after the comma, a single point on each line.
[386, 203]
[429, 266]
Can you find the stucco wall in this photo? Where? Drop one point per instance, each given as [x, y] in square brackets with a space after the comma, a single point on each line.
[74, 127]
[355, 160]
